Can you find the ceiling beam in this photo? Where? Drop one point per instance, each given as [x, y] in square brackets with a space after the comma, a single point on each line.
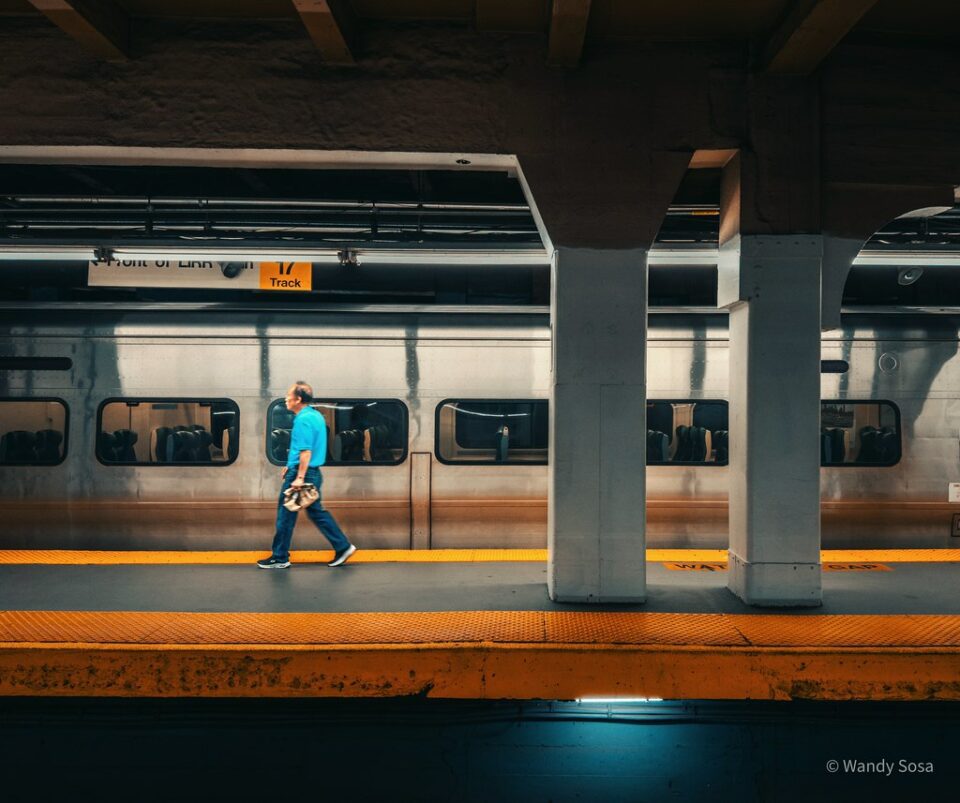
[332, 25]
[704, 159]
[511, 16]
[809, 32]
[102, 27]
[568, 28]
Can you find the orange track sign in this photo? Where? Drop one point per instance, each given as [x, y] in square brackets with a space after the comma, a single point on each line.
[295, 276]
[856, 567]
[698, 566]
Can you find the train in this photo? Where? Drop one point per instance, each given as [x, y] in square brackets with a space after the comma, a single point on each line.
[149, 426]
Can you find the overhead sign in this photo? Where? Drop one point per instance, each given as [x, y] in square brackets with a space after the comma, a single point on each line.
[286, 275]
[189, 274]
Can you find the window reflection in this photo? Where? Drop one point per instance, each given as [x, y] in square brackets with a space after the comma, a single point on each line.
[33, 432]
[147, 432]
[859, 433]
[687, 432]
[493, 431]
[359, 431]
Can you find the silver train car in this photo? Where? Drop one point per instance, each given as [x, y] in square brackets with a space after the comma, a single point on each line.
[152, 428]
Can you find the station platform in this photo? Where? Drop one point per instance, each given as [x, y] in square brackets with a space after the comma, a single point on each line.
[468, 624]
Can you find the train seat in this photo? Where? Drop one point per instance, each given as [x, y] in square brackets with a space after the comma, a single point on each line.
[839, 439]
[721, 442]
[348, 446]
[684, 453]
[378, 447]
[280, 444]
[18, 446]
[503, 444]
[124, 441]
[107, 447]
[888, 444]
[220, 423]
[229, 445]
[877, 445]
[826, 448]
[869, 445]
[184, 445]
[700, 443]
[161, 446]
[203, 442]
[48, 445]
[658, 447]
[167, 442]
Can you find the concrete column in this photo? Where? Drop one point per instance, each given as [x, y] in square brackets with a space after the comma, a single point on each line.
[596, 516]
[771, 285]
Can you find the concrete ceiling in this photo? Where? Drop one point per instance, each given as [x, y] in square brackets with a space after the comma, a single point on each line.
[787, 36]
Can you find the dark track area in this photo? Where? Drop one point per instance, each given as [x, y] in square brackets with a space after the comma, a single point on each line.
[426, 750]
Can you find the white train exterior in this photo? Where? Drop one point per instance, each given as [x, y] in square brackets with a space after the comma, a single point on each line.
[248, 357]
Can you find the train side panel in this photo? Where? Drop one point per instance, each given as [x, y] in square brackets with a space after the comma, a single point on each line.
[421, 361]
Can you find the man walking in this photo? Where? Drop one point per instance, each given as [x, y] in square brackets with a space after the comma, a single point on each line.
[308, 451]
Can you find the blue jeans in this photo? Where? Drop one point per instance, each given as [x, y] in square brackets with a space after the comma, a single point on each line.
[287, 518]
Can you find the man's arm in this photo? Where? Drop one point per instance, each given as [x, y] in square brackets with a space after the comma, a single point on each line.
[300, 443]
[301, 469]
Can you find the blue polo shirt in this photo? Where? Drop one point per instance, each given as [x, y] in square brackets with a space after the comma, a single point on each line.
[309, 433]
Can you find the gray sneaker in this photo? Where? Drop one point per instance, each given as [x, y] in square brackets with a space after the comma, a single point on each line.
[342, 556]
[273, 563]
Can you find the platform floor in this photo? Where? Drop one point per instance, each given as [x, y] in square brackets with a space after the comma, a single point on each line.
[469, 628]
[907, 588]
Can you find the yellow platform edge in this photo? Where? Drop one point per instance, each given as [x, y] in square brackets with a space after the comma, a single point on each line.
[82, 557]
[554, 672]
[526, 655]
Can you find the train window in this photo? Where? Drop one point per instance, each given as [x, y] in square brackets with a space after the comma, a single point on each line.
[859, 433]
[35, 363]
[33, 432]
[168, 432]
[360, 432]
[687, 432]
[834, 366]
[487, 431]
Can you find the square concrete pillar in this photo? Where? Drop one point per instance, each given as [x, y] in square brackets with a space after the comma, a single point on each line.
[771, 284]
[597, 516]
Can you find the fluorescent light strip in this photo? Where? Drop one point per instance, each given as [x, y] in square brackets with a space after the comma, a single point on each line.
[658, 257]
[38, 253]
[459, 258]
[923, 259]
[222, 255]
[616, 700]
[687, 257]
[369, 257]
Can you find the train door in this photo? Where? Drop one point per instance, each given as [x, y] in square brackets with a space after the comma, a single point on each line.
[487, 478]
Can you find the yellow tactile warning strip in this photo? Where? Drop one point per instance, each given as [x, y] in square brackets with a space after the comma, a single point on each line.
[890, 555]
[77, 557]
[470, 627]
[721, 566]
[481, 654]
[82, 557]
